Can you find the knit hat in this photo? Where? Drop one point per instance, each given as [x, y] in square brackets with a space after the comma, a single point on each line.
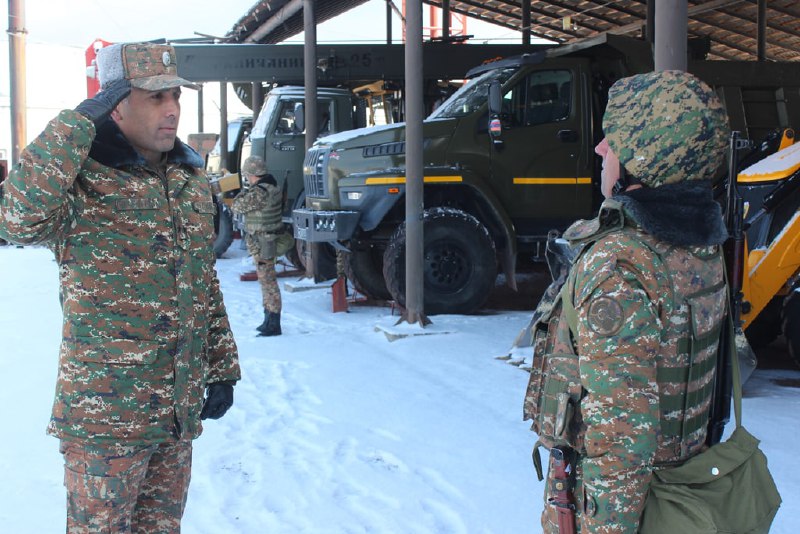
[148, 66]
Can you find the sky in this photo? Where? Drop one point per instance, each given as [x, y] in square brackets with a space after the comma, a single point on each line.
[334, 428]
[60, 31]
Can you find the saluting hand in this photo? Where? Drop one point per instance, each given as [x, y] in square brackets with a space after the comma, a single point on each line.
[99, 107]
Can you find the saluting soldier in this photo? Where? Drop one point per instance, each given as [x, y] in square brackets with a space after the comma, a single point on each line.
[623, 366]
[266, 237]
[127, 209]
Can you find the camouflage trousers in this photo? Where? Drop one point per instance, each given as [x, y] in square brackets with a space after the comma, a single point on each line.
[126, 489]
[268, 280]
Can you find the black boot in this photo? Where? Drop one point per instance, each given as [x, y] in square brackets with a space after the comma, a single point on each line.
[263, 325]
[273, 327]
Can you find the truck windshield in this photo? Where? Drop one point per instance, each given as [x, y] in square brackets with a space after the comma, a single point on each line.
[472, 94]
[260, 127]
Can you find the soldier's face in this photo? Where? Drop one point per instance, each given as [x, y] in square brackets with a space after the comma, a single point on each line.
[610, 172]
[149, 121]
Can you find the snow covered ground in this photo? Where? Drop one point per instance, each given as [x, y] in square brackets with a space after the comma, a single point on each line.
[334, 429]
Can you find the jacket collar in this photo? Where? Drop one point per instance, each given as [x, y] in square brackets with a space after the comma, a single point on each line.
[112, 149]
[684, 213]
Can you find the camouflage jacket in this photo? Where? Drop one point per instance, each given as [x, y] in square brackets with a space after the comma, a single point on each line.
[145, 328]
[619, 390]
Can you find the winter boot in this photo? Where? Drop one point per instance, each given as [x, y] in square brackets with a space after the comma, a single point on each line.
[263, 325]
[273, 327]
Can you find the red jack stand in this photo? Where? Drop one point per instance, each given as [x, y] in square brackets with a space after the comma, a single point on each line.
[249, 276]
[339, 294]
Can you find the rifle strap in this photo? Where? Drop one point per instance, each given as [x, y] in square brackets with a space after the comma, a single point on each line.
[733, 354]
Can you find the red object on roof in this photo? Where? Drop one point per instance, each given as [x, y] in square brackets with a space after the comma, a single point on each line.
[92, 83]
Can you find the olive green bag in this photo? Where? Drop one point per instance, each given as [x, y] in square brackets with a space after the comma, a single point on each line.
[727, 488]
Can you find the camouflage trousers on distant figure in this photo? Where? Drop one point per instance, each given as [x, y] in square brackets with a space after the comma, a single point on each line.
[118, 489]
[268, 280]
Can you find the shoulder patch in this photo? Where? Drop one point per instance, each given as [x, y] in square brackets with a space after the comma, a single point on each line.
[605, 316]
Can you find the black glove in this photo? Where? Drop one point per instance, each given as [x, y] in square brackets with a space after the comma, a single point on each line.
[219, 397]
[98, 108]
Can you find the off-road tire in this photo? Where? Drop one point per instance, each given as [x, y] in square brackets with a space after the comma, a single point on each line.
[223, 229]
[790, 323]
[460, 265]
[326, 262]
[363, 266]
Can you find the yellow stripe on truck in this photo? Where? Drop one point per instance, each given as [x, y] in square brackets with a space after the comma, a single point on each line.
[552, 181]
[393, 180]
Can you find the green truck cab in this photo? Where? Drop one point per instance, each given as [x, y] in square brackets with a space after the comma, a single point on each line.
[493, 189]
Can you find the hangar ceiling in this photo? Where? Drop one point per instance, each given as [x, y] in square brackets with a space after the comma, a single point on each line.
[731, 26]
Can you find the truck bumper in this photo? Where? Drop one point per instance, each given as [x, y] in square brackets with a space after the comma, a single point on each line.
[316, 226]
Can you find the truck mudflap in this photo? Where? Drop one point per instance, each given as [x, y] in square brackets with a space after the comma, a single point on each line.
[316, 226]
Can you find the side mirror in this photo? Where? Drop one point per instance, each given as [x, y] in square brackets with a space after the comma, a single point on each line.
[495, 108]
[495, 98]
[299, 117]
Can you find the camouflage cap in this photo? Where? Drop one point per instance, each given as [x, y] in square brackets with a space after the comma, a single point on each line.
[255, 166]
[666, 127]
[148, 66]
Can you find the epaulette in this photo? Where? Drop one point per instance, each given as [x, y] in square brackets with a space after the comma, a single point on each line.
[609, 219]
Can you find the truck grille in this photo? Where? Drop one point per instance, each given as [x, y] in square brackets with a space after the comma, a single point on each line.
[314, 172]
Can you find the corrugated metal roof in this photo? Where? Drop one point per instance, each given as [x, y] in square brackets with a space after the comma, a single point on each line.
[729, 25]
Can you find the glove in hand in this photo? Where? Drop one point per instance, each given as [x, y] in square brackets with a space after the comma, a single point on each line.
[99, 107]
[219, 397]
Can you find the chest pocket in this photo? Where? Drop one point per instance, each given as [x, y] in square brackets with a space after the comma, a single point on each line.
[554, 389]
[197, 224]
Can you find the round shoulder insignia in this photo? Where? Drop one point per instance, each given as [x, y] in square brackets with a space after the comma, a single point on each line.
[605, 316]
[166, 59]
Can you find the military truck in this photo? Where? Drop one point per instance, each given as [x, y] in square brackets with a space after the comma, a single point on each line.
[500, 174]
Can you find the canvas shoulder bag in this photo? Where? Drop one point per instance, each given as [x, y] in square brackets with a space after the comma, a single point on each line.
[727, 488]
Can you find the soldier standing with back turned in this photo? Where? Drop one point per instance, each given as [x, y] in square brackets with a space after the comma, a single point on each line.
[623, 366]
[262, 207]
[127, 209]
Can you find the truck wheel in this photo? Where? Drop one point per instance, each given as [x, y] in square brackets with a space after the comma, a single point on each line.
[363, 266]
[789, 323]
[223, 229]
[326, 262]
[460, 266]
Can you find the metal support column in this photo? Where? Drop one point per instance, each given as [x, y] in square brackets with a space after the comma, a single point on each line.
[310, 80]
[17, 77]
[257, 99]
[388, 22]
[761, 36]
[672, 21]
[200, 111]
[223, 125]
[650, 26]
[414, 312]
[526, 22]
[445, 20]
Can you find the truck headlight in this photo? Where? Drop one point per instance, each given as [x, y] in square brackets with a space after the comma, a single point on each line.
[354, 195]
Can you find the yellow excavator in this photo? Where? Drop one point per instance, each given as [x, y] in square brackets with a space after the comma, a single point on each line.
[769, 192]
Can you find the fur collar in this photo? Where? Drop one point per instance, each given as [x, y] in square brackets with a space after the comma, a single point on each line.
[683, 213]
[112, 149]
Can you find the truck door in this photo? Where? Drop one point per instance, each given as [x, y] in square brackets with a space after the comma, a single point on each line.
[285, 142]
[543, 167]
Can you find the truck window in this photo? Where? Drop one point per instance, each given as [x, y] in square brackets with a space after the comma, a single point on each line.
[286, 121]
[267, 110]
[286, 124]
[543, 96]
[472, 95]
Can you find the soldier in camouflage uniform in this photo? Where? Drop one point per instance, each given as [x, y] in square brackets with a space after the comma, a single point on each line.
[624, 363]
[127, 210]
[262, 205]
